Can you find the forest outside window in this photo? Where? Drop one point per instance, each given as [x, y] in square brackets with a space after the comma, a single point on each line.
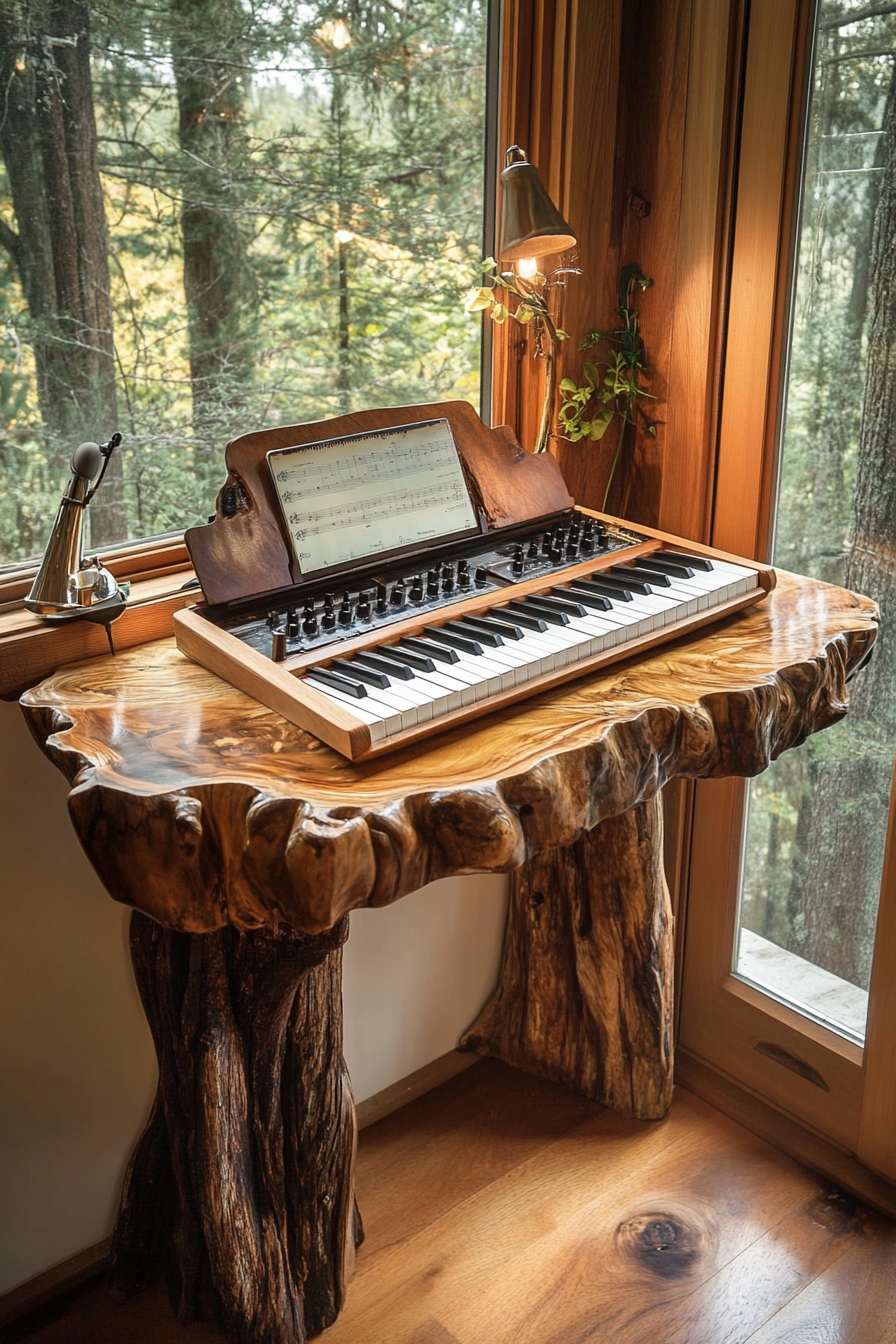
[217, 215]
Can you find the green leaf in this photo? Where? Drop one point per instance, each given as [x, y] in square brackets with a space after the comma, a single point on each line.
[477, 299]
[591, 372]
[562, 335]
[524, 313]
[568, 385]
[499, 314]
[489, 264]
[651, 430]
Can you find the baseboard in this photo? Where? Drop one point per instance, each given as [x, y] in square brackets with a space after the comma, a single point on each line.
[408, 1089]
[784, 1132]
[54, 1282]
[87, 1264]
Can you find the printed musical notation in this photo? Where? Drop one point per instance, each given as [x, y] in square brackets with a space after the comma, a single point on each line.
[344, 499]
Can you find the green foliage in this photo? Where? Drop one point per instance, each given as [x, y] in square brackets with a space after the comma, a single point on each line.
[382, 138]
[611, 388]
[612, 384]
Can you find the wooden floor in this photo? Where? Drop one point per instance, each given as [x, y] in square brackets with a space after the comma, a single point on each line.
[500, 1209]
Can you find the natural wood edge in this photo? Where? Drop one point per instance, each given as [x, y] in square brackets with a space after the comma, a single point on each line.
[32, 649]
[408, 1089]
[54, 1282]
[786, 1133]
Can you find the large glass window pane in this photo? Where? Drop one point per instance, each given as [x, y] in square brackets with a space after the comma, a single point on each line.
[273, 222]
[816, 824]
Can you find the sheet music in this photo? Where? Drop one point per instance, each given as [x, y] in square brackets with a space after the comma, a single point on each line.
[345, 499]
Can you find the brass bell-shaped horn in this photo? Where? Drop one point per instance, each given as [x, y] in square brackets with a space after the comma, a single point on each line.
[531, 225]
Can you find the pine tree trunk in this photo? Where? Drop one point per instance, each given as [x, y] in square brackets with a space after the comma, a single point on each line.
[218, 281]
[48, 141]
[851, 795]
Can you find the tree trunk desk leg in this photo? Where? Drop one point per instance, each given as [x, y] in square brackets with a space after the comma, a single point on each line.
[584, 993]
[241, 1187]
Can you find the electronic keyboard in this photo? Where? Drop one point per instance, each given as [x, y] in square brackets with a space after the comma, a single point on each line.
[476, 608]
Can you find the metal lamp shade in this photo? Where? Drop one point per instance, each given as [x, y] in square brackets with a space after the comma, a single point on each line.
[531, 225]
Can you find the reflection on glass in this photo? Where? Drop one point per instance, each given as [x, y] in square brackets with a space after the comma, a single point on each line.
[280, 210]
[816, 821]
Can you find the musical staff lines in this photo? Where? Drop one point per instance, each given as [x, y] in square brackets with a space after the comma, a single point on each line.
[347, 498]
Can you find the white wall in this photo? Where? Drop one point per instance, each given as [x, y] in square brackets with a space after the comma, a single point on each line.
[77, 1071]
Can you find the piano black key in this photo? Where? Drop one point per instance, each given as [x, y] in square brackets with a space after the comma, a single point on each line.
[528, 620]
[631, 580]
[420, 661]
[485, 636]
[695, 561]
[502, 627]
[358, 673]
[439, 651]
[333, 679]
[525, 606]
[379, 662]
[593, 600]
[461, 642]
[566, 604]
[659, 562]
[610, 584]
[613, 592]
[648, 575]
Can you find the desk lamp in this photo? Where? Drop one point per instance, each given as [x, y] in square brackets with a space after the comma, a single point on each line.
[531, 227]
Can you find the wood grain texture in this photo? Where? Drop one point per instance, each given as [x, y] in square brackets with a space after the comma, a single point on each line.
[200, 808]
[501, 1203]
[241, 1187]
[584, 992]
[248, 552]
[685, 1231]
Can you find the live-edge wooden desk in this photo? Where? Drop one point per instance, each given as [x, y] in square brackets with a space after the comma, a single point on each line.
[242, 844]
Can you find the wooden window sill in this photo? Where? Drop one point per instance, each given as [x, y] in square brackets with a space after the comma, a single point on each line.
[31, 648]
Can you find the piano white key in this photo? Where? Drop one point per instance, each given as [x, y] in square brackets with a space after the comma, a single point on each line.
[377, 721]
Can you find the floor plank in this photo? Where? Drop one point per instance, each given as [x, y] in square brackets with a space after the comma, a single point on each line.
[502, 1209]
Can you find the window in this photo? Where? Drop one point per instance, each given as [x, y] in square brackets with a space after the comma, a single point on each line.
[273, 222]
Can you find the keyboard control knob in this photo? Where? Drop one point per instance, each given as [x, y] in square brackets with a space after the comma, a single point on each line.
[309, 621]
[547, 542]
[417, 588]
[464, 578]
[532, 552]
[272, 620]
[556, 555]
[292, 622]
[345, 611]
[518, 563]
[363, 611]
[481, 577]
[448, 581]
[382, 605]
[432, 583]
[397, 595]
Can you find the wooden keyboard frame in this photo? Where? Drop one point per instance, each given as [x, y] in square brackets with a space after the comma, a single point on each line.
[281, 688]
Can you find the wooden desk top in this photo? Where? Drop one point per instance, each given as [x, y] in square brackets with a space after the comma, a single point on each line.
[201, 808]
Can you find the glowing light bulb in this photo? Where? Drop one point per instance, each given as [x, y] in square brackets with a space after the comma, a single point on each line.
[343, 236]
[527, 267]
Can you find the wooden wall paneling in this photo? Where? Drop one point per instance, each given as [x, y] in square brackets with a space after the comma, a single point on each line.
[877, 1132]
[688, 437]
[585, 197]
[769, 145]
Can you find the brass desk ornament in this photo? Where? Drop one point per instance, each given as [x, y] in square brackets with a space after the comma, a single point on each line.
[68, 587]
